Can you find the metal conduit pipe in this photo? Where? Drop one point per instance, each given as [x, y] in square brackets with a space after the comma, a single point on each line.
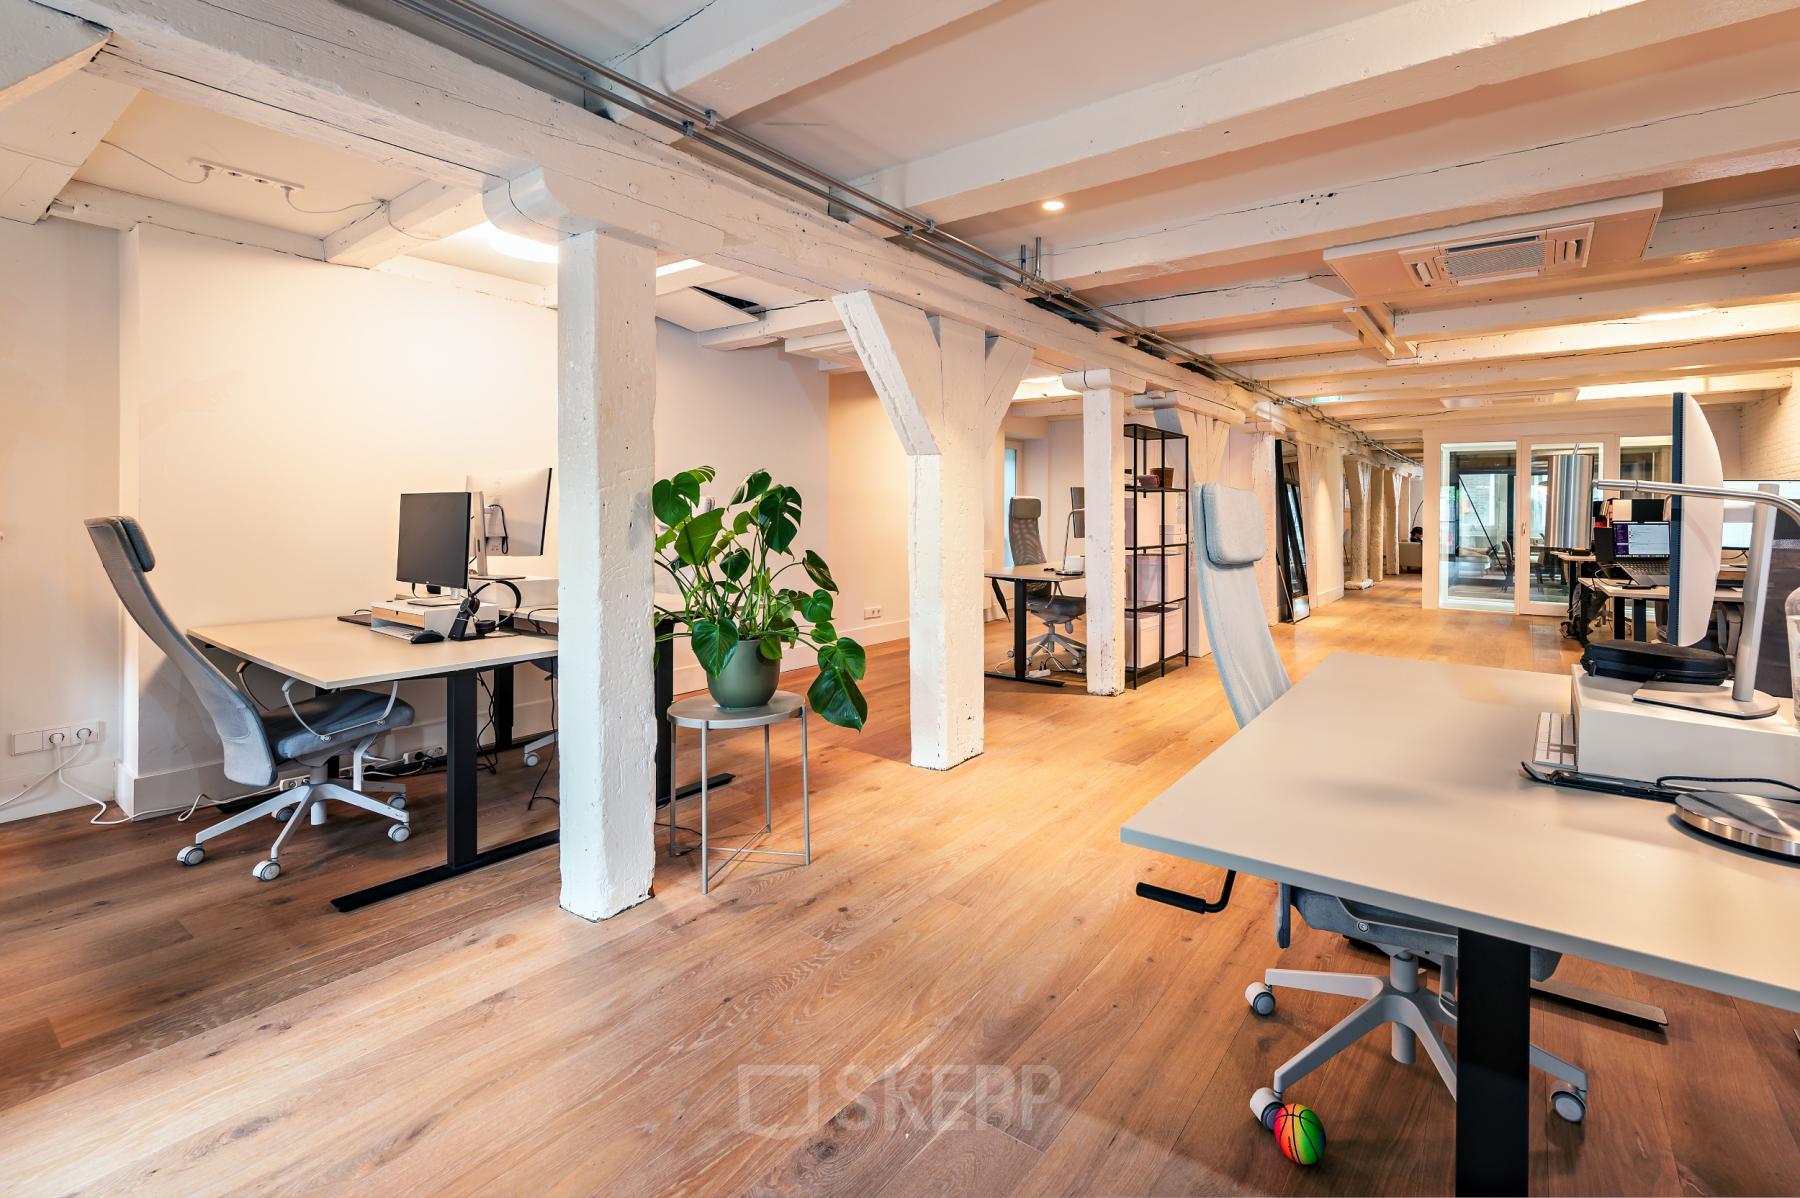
[917, 232]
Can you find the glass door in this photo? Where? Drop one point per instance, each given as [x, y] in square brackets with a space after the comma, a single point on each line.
[1476, 507]
[1549, 513]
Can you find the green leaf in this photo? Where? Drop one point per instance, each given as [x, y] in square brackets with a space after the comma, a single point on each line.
[816, 606]
[778, 515]
[753, 486]
[665, 539]
[713, 644]
[733, 564]
[770, 648]
[852, 660]
[835, 697]
[694, 539]
[823, 632]
[818, 571]
[740, 523]
[668, 504]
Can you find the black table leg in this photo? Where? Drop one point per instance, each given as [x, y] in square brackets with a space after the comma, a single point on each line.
[1619, 626]
[1493, 1057]
[1018, 672]
[462, 842]
[1640, 620]
[503, 708]
[665, 748]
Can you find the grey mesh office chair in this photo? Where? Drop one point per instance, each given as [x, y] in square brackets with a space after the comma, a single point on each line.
[257, 744]
[1228, 529]
[1044, 600]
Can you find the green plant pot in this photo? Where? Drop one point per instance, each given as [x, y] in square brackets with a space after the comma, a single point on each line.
[748, 679]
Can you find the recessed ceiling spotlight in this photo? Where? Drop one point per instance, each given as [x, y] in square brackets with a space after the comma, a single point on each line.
[1052, 205]
[522, 248]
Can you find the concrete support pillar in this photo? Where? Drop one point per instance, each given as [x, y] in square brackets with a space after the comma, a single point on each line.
[1380, 511]
[1357, 475]
[1104, 394]
[946, 387]
[606, 398]
[1399, 527]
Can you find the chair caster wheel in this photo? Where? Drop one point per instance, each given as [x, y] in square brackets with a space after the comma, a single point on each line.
[398, 802]
[282, 815]
[531, 759]
[398, 833]
[266, 871]
[1569, 1103]
[1263, 1104]
[1260, 998]
[191, 854]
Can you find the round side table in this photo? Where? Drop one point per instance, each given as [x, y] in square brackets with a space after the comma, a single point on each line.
[702, 713]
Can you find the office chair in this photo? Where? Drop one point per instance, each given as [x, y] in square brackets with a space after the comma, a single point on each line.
[257, 743]
[1228, 527]
[1044, 600]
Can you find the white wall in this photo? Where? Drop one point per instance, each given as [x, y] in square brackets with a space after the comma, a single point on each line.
[261, 414]
[868, 489]
[59, 639]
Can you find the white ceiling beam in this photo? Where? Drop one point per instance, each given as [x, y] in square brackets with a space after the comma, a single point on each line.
[95, 205]
[1752, 134]
[697, 275]
[1597, 337]
[1297, 297]
[427, 212]
[801, 320]
[733, 57]
[45, 138]
[330, 74]
[39, 46]
[1776, 351]
[1286, 341]
[1408, 55]
[698, 312]
[1375, 323]
[1742, 285]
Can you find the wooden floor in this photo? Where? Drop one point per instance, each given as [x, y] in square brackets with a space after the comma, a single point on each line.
[960, 995]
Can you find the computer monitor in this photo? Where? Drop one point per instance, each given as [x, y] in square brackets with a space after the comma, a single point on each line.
[514, 511]
[1698, 523]
[1641, 538]
[1736, 537]
[434, 539]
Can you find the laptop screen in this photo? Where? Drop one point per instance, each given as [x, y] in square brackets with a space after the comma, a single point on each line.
[1641, 538]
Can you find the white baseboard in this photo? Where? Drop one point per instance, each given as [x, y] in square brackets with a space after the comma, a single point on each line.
[49, 795]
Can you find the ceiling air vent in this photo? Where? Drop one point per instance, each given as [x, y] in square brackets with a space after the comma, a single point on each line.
[1533, 246]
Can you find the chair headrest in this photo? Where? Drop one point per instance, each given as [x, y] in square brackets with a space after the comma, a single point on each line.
[131, 538]
[1024, 507]
[1232, 524]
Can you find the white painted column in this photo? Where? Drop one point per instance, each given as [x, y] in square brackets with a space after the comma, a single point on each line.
[606, 398]
[1104, 394]
[1380, 509]
[1356, 475]
[946, 387]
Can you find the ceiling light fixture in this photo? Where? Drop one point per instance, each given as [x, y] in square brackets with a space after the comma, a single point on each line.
[1048, 387]
[669, 268]
[1052, 205]
[522, 248]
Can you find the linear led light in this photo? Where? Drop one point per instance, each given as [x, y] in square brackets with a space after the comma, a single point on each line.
[669, 268]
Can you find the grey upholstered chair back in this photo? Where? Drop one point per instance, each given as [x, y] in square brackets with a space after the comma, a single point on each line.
[1229, 534]
[125, 553]
[1022, 531]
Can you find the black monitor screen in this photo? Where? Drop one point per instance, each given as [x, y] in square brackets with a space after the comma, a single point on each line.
[1647, 538]
[434, 539]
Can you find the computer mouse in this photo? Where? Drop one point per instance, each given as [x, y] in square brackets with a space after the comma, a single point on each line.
[427, 637]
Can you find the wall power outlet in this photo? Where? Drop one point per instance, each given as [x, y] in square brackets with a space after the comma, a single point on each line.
[872, 613]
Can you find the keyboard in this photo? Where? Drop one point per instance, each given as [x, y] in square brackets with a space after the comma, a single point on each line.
[1555, 745]
[1646, 576]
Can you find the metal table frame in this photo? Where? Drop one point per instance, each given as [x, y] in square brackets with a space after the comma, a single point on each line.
[703, 714]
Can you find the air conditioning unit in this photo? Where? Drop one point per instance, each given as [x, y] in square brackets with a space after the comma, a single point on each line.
[1537, 245]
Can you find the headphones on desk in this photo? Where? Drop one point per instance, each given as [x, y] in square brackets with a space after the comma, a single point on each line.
[466, 627]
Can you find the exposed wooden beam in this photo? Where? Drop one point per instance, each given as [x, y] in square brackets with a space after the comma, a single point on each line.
[1375, 323]
[320, 71]
[1408, 55]
[1292, 298]
[1286, 341]
[1753, 133]
[95, 205]
[39, 46]
[45, 138]
[801, 320]
[733, 57]
[418, 216]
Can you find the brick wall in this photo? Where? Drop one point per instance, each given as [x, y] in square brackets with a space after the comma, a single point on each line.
[1770, 437]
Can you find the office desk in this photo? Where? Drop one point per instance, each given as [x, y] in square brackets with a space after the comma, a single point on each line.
[332, 655]
[1408, 795]
[1641, 598]
[1021, 577]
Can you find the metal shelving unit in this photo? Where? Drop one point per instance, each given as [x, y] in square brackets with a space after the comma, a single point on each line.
[1167, 595]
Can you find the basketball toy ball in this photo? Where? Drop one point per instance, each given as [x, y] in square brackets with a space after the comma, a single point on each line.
[1300, 1133]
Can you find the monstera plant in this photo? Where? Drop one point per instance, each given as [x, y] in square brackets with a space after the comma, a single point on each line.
[741, 606]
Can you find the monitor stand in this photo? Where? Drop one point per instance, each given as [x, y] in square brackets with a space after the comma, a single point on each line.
[1767, 825]
[1708, 700]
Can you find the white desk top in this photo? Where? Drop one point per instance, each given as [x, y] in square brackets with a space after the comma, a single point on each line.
[1614, 588]
[331, 655]
[1408, 795]
[1043, 572]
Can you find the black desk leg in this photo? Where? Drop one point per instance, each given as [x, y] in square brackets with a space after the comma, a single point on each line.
[1018, 672]
[665, 748]
[462, 840]
[1619, 632]
[503, 708]
[1493, 1056]
[1640, 621]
